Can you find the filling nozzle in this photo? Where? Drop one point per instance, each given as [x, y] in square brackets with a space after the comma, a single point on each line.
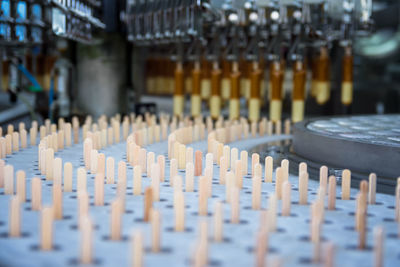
[205, 84]
[215, 99]
[234, 102]
[225, 82]
[254, 101]
[347, 77]
[276, 85]
[179, 93]
[298, 94]
[322, 77]
[196, 90]
[245, 83]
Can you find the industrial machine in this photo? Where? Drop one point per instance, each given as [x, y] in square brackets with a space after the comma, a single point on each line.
[223, 51]
[280, 59]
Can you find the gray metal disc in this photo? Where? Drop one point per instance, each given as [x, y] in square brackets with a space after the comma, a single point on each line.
[363, 144]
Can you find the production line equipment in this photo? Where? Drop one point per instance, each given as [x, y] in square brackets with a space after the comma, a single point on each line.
[223, 51]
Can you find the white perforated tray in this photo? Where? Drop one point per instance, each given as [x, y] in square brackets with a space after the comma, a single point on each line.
[289, 242]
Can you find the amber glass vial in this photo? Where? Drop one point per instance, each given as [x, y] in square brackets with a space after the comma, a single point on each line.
[347, 77]
[196, 90]
[276, 83]
[179, 90]
[254, 101]
[215, 99]
[322, 86]
[205, 83]
[225, 82]
[234, 101]
[298, 94]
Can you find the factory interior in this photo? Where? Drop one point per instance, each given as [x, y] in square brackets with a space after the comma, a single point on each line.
[200, 133]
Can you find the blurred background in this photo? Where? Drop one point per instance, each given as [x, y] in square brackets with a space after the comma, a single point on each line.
[279, 59]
